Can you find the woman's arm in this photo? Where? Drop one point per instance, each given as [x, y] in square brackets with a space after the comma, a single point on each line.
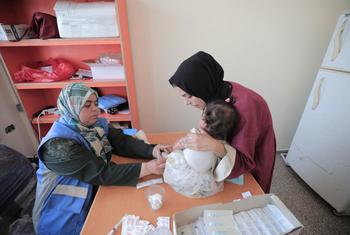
[67, 157]
[226, 163]
[129, 146]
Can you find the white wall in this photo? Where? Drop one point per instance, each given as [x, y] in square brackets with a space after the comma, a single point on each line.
[273, 47]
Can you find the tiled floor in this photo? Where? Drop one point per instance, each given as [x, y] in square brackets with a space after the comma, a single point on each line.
[310, 209]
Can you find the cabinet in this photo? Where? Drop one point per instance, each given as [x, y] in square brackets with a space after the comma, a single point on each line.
[36, 96]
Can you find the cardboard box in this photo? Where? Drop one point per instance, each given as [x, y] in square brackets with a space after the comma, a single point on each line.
[10, 32]
[86, 19]
[191, 215]
[107, 71]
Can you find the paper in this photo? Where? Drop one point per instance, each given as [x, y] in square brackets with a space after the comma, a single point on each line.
[246, 194]
[141, 135]
[239, 180]
[149, 182]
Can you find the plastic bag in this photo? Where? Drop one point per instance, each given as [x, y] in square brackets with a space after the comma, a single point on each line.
[61, 70]
[186, 181]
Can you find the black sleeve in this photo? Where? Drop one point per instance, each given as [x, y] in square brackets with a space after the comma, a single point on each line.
[125, 145]
[67, 157]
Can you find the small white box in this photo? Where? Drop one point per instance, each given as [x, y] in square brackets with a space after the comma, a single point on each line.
[14, 32]
[86, 19]
[191, 215]
[107, 71]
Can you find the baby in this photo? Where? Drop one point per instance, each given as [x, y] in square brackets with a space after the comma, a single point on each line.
[201, 174]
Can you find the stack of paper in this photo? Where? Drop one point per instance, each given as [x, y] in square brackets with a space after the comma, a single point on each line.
[86, 19]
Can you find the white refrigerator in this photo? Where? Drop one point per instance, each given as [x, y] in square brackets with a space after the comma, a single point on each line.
[320, 150]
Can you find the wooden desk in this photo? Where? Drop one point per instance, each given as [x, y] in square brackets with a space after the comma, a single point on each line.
[112, 202]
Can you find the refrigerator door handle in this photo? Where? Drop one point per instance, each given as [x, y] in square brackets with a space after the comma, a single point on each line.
[317, 93]
[338, 40]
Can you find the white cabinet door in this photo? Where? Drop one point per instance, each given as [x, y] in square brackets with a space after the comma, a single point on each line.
[15, 129]
[320, 150]
[338, 53]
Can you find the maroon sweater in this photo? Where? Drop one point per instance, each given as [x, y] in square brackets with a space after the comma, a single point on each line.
[255, 139]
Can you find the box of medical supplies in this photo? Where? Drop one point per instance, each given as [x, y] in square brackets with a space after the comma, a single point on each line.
[86, 19]
[106, 71]
[10, 32]
[265, 214]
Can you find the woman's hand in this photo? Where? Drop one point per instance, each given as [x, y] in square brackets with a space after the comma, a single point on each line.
[155, 166]
[160, 149]
[204, 142]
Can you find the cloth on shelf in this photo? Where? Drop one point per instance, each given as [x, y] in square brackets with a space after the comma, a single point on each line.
[109, 101]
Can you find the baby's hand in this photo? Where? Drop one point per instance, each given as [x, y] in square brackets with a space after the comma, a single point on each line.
[164, 155]
[159, 150]
[180, 144]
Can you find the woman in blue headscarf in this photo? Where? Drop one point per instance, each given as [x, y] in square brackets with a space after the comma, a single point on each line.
[75, 156]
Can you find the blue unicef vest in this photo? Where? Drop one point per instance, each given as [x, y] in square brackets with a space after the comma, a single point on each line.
[62, 202]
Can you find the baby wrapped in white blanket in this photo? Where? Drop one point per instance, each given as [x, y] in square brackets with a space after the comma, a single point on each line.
[200, 174]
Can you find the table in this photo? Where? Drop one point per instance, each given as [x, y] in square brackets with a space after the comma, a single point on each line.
[113, 202]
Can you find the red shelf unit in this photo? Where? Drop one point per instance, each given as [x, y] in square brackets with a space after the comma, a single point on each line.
[61, 42]
[52, 85]
[36, 96]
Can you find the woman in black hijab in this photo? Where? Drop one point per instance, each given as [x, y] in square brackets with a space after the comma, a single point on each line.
[199, 79]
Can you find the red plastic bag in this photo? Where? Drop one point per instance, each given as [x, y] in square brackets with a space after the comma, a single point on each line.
[61, 70]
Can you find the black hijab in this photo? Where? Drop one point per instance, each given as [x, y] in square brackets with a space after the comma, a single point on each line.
[201, 76]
